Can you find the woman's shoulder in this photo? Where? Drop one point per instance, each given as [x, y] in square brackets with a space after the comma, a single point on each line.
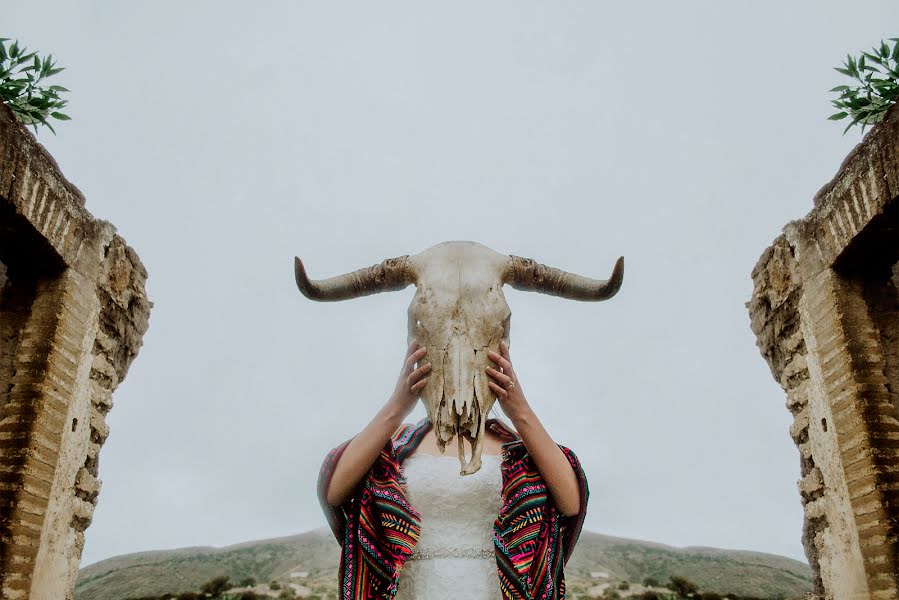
[407, 431]
[401, 431]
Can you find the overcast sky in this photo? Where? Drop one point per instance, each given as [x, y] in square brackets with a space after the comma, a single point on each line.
[223, 138]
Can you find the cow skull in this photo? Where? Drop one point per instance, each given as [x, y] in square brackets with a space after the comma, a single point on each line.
[459, 313]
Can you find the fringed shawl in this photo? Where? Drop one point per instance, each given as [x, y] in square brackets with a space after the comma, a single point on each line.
[377, 527]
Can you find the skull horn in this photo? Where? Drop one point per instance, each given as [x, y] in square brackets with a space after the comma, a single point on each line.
[389, 275]
[528, 275]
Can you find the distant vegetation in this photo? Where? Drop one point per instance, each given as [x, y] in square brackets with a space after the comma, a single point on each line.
[222, 588]
[22, 74]
[676, 588]
[875, 86]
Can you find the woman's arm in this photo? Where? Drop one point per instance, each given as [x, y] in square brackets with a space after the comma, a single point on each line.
[549, 459]
[362, 451]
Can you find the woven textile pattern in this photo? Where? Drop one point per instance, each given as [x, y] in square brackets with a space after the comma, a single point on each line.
[378, 527]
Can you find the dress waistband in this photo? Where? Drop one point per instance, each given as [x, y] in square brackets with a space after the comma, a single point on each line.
[452, 552]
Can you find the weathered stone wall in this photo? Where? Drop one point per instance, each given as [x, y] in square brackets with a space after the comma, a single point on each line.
[825, 311]
[73, 311]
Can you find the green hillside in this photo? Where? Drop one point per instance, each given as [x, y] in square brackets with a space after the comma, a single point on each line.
[315, 554]
[711, 569]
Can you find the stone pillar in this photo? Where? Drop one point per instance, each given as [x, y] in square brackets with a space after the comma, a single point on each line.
[73, 311]
[825, 311]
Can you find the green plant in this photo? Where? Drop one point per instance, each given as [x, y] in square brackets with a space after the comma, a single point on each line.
[21, 73]
[877, 73]
[681, 585]
[653, 595]
[216, 586]
[244, 595]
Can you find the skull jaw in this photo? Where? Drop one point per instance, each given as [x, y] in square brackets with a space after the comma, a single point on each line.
[449, 423]
[477, 444]
[459, 396]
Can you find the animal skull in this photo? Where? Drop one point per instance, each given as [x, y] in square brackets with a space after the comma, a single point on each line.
[458, 313]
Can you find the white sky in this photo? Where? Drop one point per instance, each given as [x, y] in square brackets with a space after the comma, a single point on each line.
[223, 138]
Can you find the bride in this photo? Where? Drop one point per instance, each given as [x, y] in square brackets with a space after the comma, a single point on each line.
[412, 528]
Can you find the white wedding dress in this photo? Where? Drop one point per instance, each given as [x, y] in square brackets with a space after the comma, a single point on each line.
[454, 555]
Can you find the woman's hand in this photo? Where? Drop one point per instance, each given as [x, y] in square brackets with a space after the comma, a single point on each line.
[411, 380]
[551, 462]
[365, 447]
[505, 382]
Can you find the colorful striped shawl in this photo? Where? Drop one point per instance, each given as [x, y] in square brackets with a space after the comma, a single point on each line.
[377, 527]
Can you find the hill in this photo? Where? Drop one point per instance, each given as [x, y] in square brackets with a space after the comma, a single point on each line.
[312, 558]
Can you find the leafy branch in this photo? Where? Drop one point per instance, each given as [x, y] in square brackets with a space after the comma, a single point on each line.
[877, 74]
[21, 73]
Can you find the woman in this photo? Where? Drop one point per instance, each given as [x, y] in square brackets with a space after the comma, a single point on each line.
[410, 525]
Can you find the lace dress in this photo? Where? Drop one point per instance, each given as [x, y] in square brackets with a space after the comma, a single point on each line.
[454, 555]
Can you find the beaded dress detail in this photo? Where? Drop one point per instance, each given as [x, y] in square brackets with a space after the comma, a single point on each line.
[454, 556]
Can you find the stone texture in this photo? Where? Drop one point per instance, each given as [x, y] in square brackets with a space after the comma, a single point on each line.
[73, 311]
[825, 312]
